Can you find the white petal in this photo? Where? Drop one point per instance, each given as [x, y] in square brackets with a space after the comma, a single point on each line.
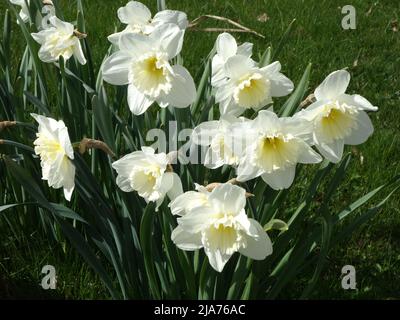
[48, 125]
[134, 13]
[312, 111]
[224, 92]
[260, 247]
[63, 26]
[245, 49]
[280, 179]
[182, 204]
[205, 132]
[124, 165]
[45, 55]
[135, 44]
[332, 151]
[171, 16]
[172, 184]
[148, 150]
[69, 179]
[124, 183]
[197, 219]
[65, 142]
[78, 53]
[168, 37]
[218, 77]
[183, 91]
[39, 37]
[212, 160]
[362, 132]
[114, 38]
[246, 171]
[238, 66]
[266, 119]
[307, 154]
[217, 259]
[185, 240]
[297, 126]
[357, 101]
[229, 198]
[115, 68]
[137, 101]
[334, 85]
[226, 45]
[280, 84]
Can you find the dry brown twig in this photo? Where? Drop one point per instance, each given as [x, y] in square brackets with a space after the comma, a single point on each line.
[79, 34]
[307, 101]
[87, 143]
[240, 28]
[7, 124]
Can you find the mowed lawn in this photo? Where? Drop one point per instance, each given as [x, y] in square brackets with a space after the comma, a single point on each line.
[371, 54]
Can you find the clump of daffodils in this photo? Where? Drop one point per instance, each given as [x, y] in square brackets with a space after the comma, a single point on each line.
[248, 135]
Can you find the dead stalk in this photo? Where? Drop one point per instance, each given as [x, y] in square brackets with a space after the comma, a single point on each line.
[87, 143]
[79, 34]
[239, 27]
[307, 101]
[7, 124]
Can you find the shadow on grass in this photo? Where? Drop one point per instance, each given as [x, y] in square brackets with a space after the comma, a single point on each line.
[25, 289]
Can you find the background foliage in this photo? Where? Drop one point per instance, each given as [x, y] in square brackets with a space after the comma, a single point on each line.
[371, 54]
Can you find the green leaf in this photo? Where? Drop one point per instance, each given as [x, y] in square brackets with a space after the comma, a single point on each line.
[283, 40]
[103, 118]
[291, 105]
[276, 224]
[266, 57]
[146, 241]
[203, 85]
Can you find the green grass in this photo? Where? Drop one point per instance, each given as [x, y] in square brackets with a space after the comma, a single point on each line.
[371, 53]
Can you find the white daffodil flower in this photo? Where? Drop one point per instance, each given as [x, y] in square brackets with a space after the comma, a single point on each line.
[138, 19]
[143, 64]
[24, 13]
[249, 86]
[278, 144]
[226, 47]
[217, 136]
[55, 150]
[57, 40]
[146, 173]
[220, 226]
[338, 118]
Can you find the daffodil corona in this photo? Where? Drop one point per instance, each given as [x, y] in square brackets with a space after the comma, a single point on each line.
[218, 223]
[55, 150]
